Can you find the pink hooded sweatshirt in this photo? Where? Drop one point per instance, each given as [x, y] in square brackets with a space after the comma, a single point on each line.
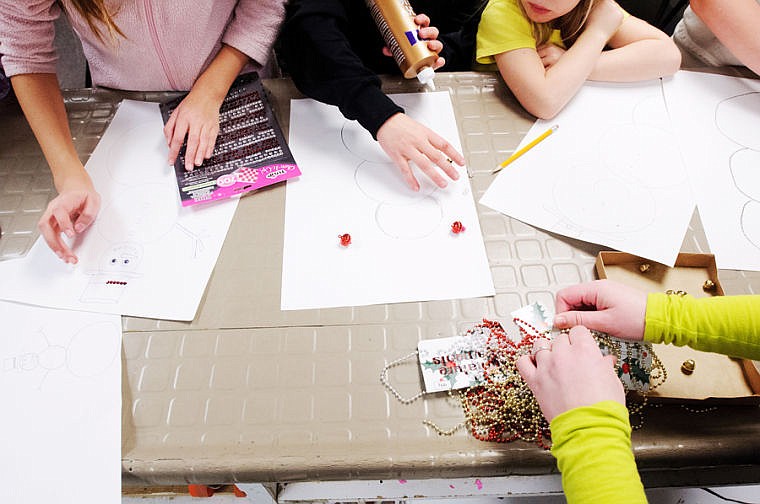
[167, 43]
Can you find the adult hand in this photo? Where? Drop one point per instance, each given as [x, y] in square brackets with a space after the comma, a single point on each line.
[430, 35]
[549, 54]
[405, 140]
[605, 18]
[70, 213]
[570, 373]
[197, 118]
[603, 305]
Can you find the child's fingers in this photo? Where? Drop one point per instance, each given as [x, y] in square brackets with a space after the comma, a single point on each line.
[87, 214]
[169, 127]
[442, 145]
[429, 33]
[422, 20]
[435, 45]
[407, 174]
[427, 167]
[193, 138]
[178, 137]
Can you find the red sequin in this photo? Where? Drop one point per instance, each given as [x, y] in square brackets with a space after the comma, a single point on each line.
[345, 239]
[457, 227]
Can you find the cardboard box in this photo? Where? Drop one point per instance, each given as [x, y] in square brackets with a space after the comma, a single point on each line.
[716, 378]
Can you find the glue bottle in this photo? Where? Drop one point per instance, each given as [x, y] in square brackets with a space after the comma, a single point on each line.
[395, 20]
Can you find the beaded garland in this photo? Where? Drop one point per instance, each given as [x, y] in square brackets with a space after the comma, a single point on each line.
[504, 409]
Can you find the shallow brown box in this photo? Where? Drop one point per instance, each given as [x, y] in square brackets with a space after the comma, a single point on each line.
[716, 378]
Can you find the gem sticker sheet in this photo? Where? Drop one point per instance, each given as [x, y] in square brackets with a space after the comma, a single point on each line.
[612, 174]
[60, 378]
[145, 255]
[355, 234]
[250, 151]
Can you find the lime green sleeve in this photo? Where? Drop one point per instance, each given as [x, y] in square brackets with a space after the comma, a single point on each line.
[729, 325]
[592, 445]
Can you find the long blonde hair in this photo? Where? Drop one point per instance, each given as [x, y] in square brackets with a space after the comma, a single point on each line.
[97, 16]
[570, 25]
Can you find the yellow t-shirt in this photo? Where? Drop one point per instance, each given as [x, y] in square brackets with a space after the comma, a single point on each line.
[503, 27]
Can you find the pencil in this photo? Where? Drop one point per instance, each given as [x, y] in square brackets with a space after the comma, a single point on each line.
[528, 147]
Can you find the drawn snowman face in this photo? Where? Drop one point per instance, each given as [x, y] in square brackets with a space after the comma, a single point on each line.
[122, 258]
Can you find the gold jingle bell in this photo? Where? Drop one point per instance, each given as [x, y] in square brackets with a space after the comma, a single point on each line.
[688, 366]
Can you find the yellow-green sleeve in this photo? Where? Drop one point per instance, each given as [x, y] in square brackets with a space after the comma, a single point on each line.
[592, 445]
[503, 27]
[729, 325]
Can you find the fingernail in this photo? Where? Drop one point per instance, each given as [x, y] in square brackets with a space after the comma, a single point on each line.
[559, 320]
[79, 227]
[69, 233]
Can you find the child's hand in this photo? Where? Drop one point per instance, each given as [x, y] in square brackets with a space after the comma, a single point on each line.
[603, 305]
[570, 372]
[430, 35]
[549, 54]
[605, 18]
[197, 118]
[70, 213]
[405, 140]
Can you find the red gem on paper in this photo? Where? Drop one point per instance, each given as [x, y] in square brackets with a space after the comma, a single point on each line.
[345, 239]
[457, 227]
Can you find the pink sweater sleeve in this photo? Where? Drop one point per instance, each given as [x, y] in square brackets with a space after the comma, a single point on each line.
[254, 27]
[27, 36]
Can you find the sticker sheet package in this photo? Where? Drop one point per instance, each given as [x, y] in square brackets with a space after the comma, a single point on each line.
[250, 151]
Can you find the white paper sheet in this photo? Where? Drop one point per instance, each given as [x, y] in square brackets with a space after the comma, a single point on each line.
[145, 255]
[60, 427]
[612, 174]
[402, 246]
[717, 121]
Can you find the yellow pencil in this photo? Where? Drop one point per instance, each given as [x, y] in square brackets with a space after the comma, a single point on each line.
[527, 147]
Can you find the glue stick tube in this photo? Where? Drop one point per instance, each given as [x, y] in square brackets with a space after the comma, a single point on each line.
[395, 20]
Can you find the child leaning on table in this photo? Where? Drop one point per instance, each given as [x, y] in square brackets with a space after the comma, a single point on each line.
[546, 49]
[138, 46]
[580, 393]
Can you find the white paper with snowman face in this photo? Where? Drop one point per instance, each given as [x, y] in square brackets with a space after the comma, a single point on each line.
[611, 174]
[402, 245]
[717, 120]
[145, 255]
[60, 380]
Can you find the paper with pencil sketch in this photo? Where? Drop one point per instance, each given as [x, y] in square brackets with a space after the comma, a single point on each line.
[612, 174]
[60, 380]
[145, 255]
[717, 121]
[402, 245]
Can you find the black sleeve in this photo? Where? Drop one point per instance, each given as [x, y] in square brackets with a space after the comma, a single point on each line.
[317, 52]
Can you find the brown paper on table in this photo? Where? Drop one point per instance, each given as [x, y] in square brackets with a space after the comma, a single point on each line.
[715, 377]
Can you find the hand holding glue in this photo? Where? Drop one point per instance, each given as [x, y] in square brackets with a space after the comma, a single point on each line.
[398, 24]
